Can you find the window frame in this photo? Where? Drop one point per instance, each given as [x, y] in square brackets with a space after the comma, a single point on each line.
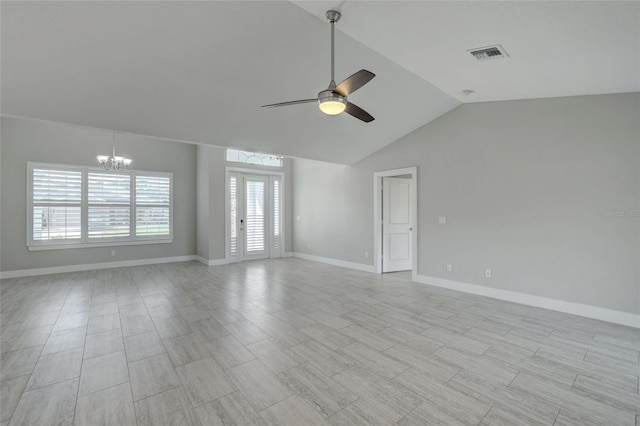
[84, 241]
[253, 153]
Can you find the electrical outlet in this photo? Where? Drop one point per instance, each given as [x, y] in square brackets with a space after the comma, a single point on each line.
[308, 246]
[449, 267]
[487, 273]
[442, 220]
[366, 254]
[113, 253]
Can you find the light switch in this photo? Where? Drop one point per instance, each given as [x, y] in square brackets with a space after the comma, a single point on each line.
[442, 220]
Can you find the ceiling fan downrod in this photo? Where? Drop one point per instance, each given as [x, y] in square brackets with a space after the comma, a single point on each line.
[333, 16]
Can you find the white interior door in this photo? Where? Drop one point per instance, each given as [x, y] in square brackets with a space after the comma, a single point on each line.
[254, 221]
[397, 224]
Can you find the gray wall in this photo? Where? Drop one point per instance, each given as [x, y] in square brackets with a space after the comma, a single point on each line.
[527, 188]
[211, 212]
[28, 140]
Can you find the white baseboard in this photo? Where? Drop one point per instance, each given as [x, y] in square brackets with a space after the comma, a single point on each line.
[287, 254]
[603, 314]
[93, 266]
[211, 262]
[335, 262]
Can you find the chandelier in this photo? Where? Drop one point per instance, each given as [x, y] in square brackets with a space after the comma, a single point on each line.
[113, 162]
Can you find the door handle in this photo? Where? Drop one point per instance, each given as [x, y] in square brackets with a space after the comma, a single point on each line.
[410, 229]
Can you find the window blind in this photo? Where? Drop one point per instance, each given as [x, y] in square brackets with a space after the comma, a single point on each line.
[233, 205]
[56, 202]
[109, 211]
[153, 205]
[276, 215]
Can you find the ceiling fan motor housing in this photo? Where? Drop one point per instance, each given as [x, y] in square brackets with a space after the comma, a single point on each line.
[333, 15]
[331, 103]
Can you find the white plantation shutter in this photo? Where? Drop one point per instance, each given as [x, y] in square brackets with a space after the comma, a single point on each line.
[276, 216]
[233, 218]
[109, 205]
[254, 216]
[56, 204]
[75, 207]
[153, 205]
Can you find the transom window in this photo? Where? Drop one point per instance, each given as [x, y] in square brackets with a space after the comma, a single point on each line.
[71, 206]
[254, 158]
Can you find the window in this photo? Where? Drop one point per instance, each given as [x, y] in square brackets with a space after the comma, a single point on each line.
[72, 207]
[56, 204]
[109, 205]
[153, 206]
[254, 158]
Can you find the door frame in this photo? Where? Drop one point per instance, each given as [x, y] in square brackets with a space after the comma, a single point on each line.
[281, 175]
[377, 216]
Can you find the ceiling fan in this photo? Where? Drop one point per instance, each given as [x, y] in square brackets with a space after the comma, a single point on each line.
[333, 100]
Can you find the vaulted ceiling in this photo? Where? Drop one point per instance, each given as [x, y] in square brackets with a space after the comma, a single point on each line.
[199, 71]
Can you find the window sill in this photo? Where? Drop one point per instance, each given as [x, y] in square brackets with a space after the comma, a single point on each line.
[63, 246]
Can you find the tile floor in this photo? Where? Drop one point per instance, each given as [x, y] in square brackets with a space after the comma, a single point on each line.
[292, 342]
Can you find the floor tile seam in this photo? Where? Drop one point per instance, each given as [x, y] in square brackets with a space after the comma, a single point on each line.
[358, 399]
[194, 407]
[277, 378]
[124, 349]
[14, 408]
[51, 384]
[27, 347]
[485, 414]
[40, 356]
[135, 401]
[291, 368]
[514, 378]
[410, 411]
[75, 405]
[460, 370]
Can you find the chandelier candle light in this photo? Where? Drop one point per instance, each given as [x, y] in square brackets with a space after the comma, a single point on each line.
[113, 162]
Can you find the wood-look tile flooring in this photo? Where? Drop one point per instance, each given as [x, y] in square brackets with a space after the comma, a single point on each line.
[292, 342]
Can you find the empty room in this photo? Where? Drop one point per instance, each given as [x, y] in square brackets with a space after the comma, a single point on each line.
[319, 213]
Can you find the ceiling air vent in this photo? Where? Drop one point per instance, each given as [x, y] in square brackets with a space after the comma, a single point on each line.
[489, 52]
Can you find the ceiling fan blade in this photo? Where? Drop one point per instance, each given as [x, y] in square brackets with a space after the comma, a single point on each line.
[358, 113]
[281, 104]
[354, 82]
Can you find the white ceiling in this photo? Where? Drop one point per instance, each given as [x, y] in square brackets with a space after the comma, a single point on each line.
[556, 48]
[199, 71]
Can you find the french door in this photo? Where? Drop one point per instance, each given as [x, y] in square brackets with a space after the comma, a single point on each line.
[254, 217]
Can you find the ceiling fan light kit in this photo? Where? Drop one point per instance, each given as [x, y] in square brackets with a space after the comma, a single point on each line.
[331, 103]
[333, 100]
